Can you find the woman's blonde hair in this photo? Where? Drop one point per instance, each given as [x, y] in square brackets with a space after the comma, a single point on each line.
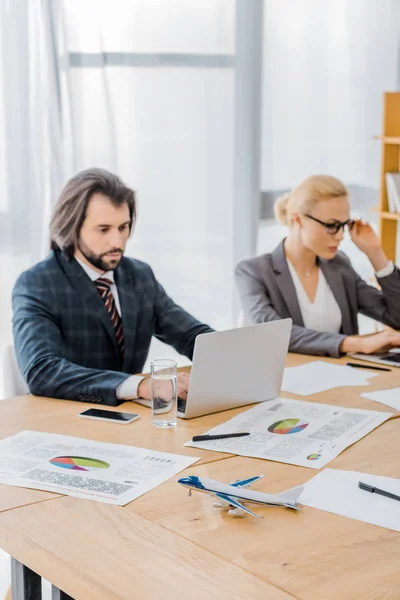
[303, 197]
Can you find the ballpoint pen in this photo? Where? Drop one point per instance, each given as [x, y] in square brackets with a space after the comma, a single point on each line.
[357, 366]
[221, 436]
[374, 490]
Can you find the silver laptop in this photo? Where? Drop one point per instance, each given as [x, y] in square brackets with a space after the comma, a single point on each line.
[236, 367]
[391, 358]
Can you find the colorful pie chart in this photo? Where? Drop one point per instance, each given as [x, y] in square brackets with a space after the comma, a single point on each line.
[79, 463]
[288, 426]
[313, 456]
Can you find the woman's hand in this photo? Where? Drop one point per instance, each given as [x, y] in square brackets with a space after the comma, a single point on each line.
[380, 342]
[370, 344]
[365, 237]
[369, 242]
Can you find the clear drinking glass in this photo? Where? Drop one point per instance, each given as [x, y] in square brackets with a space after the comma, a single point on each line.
[163, 392]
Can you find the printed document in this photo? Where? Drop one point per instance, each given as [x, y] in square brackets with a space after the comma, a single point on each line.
[296, 432]
[337, 492]
[109, 473]
[389, 397]
[319, 376]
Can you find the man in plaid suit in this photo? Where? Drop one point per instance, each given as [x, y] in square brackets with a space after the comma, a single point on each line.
[84, 316]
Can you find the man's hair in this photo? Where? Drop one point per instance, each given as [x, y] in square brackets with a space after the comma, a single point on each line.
[70, 210]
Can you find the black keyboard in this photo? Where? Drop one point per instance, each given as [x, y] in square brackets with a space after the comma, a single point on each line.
[391, 357]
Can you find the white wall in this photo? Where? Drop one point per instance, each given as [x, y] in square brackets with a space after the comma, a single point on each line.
[326, 65]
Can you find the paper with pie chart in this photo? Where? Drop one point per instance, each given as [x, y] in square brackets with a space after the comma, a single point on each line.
[79, 463]
[109, 473]
[294, 431]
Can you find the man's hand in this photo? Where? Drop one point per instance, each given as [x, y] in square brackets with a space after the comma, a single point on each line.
[182, 381]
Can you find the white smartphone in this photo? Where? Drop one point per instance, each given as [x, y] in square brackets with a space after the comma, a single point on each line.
[108, 415]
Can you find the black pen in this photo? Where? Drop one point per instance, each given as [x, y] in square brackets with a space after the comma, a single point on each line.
[221, 436]
[357, 366]
[374, 490]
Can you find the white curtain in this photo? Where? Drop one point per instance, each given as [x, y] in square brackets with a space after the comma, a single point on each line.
[148, 90]
[153, 88]
[33, 161]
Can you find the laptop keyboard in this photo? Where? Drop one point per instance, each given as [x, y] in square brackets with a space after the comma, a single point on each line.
[181, 405]
[391, 357]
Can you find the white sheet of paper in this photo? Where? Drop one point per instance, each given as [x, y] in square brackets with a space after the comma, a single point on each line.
[319, 376]
[337, 492]
[388, 397]
[296, 432]
[110, 473]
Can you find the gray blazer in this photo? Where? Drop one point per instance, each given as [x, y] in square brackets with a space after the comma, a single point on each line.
[267, 293]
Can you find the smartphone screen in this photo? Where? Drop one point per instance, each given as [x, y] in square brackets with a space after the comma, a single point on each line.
[109, 415]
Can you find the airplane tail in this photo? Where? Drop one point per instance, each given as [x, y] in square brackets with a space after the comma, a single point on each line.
[290, 497]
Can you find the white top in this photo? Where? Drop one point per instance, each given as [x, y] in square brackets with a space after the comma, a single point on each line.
[324, 313]
[388, 270]
[128, 388]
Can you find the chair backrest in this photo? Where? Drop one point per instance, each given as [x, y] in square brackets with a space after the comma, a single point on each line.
[13, 382]
[243, 321]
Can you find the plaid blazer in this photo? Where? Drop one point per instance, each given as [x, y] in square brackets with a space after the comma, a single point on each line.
[64, 339]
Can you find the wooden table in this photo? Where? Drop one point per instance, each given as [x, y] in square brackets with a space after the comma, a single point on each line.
[167, 545]
[55, 416]
[94, 551]
[60, 416]
[311, 554]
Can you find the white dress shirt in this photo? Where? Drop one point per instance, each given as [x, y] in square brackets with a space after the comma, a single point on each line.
[128, 388]
[108, 275]
[388, 270]
[324, 313]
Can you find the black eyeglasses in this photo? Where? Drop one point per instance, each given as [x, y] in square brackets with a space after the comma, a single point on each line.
[334, 227]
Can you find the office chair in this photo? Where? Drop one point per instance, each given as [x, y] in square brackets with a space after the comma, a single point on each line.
[13, 383]
[243, 321]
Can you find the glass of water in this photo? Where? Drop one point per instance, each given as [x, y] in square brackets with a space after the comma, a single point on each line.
[163, 392]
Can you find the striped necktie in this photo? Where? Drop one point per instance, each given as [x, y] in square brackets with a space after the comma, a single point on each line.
[104, 288]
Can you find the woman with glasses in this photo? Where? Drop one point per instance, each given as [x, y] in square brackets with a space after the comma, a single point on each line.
[308, 279]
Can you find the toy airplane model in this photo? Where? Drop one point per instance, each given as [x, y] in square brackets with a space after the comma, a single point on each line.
[230, 494]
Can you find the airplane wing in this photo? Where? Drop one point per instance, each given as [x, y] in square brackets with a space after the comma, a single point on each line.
[233, 502]
[244, 483]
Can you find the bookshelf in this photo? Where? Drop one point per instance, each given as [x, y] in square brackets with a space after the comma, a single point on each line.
[390, 163]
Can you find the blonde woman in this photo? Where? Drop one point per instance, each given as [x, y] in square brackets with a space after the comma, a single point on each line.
[308, 279]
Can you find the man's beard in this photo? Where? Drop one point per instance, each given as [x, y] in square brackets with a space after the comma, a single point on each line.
[97, 259]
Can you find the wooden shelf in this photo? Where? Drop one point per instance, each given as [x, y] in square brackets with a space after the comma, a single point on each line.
[390, 216]
[390, 163]
[394, 141]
